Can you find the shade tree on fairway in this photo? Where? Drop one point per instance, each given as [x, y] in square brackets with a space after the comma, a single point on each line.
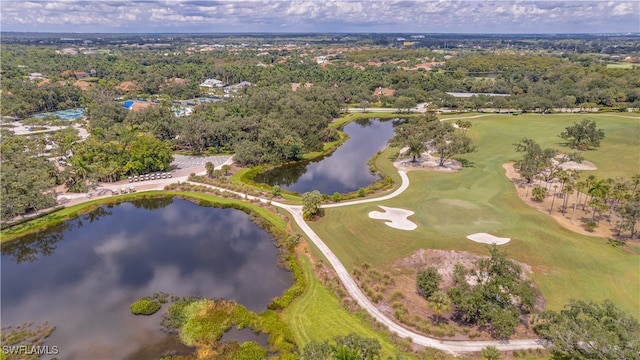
[583, 136]
[435, 135]
[452, 145]
[534, 161]
[311, 204]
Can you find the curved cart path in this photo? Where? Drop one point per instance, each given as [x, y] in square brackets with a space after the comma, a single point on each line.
[356, 293]
[351, 286]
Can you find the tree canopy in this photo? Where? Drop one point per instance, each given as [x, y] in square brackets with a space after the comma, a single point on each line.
[492, 292]
[588, 330]
[583, 136]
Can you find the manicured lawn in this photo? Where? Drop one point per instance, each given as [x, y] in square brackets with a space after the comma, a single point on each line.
[317, 316]
[481, 199]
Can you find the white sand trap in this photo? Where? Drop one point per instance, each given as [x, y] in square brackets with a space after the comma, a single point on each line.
[397, 217]
[584, 165]
[488, 239]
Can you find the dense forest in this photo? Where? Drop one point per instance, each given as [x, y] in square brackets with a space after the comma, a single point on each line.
[269, 121]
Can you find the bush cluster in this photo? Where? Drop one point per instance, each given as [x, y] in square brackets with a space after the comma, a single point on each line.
[145, 306]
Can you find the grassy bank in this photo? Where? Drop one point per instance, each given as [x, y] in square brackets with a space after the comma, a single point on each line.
[74, 211]
[481, 199]
[317, 315]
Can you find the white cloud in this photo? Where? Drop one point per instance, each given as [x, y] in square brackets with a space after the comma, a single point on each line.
[305, 15]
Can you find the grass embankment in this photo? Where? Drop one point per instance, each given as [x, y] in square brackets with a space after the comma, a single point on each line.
[482, 199]
[317, 316]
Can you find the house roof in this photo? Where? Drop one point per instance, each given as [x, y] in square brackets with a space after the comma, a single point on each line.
[128, 86]
[139, 105]
[296, 86]
[82, 85]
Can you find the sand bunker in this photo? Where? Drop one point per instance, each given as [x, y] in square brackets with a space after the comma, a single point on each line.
[584, 165]
[397, 217]
[488, 239]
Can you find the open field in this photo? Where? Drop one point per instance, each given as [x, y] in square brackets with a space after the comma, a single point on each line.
[481, 198]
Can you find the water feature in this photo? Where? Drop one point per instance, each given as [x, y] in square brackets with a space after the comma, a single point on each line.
[345, 170]
[82, 275]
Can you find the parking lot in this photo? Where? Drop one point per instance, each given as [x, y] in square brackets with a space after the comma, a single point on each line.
[185, 162]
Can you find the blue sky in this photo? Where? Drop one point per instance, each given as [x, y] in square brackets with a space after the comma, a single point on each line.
[321, 16]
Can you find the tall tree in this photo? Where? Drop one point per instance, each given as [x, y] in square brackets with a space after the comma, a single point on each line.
[452, 145]
[583, 136]
[311, 204]
[534, 161]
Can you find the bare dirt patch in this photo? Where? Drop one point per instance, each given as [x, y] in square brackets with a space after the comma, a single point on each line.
[426, 162]
[394, 293]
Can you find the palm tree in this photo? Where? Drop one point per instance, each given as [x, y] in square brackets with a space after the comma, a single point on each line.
[81, 167]
[343, 353]
[598, 190]
[439, 302]
[210, 168]
[590, 180]
[567, 190]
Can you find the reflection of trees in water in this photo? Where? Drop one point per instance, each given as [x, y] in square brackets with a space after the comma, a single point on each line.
[29, 247]
[152, 203]
[285, 175]
[95, 215]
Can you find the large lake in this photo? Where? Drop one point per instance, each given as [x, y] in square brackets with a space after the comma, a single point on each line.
[81, 276]
[344, 171]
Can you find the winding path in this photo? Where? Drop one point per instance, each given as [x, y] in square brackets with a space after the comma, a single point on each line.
[356, 293]
[452, 346]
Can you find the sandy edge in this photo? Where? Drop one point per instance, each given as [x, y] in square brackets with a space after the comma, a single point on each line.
[565, 220]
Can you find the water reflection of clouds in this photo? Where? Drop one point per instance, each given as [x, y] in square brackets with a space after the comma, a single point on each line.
[88, 284]
[346, 169]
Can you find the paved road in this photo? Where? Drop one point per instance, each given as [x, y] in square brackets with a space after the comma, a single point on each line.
[183, 162]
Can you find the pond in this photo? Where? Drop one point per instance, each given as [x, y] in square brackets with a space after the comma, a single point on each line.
[82, 275]
[344, 171]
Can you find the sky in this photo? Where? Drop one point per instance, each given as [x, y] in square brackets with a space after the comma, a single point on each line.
[337, 16]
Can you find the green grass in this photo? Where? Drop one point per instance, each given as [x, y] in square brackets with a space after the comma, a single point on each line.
[481, 199]
[317, 315]
[624, 65]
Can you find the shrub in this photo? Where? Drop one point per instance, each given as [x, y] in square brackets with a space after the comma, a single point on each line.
[145, 307]
[336, 197]
[428, 281]
[539, 193]
[491, 353]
